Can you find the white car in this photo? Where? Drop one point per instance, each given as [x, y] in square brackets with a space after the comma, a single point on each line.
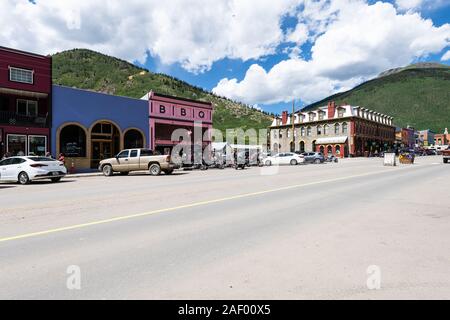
[26, 169]
[284, 158]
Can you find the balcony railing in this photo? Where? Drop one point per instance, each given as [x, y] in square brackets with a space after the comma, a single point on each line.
[14, 119]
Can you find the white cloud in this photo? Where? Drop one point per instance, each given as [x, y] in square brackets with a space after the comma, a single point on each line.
[446, 56]
[359, 42]
[194, 33]
[408, 4]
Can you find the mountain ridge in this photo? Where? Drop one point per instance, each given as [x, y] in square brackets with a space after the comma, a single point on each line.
[90, 70]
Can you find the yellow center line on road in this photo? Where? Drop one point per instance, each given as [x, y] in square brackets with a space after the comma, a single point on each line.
[191, 205]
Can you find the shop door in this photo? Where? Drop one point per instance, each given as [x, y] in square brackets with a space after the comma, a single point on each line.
[100, 150]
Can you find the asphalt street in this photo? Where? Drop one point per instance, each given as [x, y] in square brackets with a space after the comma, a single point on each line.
[302, 232]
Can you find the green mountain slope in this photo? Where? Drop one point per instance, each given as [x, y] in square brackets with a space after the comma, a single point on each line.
[91, 70]
[417, 95]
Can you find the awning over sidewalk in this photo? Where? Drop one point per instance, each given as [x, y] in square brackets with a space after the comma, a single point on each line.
[332, 140]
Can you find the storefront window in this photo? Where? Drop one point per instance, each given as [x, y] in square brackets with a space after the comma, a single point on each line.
[16, 144]
[73, 141]
[37, 145]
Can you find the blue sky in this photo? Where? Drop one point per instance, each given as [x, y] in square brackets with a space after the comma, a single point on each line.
[261, 52]
[237, 68]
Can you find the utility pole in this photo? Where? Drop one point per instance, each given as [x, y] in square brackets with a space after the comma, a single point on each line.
[293, 126]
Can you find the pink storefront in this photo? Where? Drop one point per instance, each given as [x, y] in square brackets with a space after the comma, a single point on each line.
[169, 113]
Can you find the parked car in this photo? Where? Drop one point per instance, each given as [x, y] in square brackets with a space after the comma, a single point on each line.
[446, 155]
[313, 157]
[284, 158]
[130, 160]
[26, 169]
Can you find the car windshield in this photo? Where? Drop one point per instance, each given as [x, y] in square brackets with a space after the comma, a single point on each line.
[40, 159]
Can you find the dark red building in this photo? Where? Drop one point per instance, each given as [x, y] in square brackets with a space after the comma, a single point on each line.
[25, 102]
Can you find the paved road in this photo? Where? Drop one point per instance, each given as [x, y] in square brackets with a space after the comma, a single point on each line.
[304, 232]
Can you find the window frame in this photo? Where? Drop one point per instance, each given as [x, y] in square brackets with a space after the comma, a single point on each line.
[35, 136]
[17, 135]
[27, 102]
[31, 71]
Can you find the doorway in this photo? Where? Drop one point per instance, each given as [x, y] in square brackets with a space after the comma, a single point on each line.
[105, 142]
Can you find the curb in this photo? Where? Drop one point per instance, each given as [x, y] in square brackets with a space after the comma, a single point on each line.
[83, 175]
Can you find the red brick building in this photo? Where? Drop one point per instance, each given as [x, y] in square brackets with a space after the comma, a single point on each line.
[25, 102]
[339, 130]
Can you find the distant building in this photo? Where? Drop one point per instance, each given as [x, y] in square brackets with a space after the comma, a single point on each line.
[405, 137]
[339, 130]
[25, 102]
[442, 138]
[426, 137]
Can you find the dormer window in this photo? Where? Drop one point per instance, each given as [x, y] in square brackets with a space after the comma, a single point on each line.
[21, 75]
[311, 116]
[341, 112]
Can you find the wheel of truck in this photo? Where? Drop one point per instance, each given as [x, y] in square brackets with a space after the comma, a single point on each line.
[317, 161]
[154, 169]
[107, 170]
[445, 160]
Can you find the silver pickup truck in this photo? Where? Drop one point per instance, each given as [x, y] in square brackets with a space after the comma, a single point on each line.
[137, 160]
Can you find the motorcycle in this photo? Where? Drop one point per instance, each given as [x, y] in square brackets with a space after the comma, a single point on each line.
[332, 158]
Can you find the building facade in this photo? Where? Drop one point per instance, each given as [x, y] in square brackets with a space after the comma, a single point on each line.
[426, 137]
[89, 126]
[169, 113]
[25, 102]
[339, 130]
[405, 137]
[442, 139]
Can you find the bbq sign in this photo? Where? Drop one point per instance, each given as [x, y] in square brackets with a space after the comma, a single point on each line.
[181, 112]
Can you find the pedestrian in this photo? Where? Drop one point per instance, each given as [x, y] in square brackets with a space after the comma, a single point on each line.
[62, 158]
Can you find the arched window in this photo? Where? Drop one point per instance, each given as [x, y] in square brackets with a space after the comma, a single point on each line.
[275, 148]
[319, 130]
[344, 128]
[302, 146]
[322, 149]
[72, 141]
[326, 129]
[308, 131]
[336, 128]
[338, 150]
[133, 139]
[329, 150]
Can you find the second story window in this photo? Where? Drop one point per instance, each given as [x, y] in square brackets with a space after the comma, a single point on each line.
[21, 75]
[344, 128]
[341, 112]
[321, 115]
[27, 108]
